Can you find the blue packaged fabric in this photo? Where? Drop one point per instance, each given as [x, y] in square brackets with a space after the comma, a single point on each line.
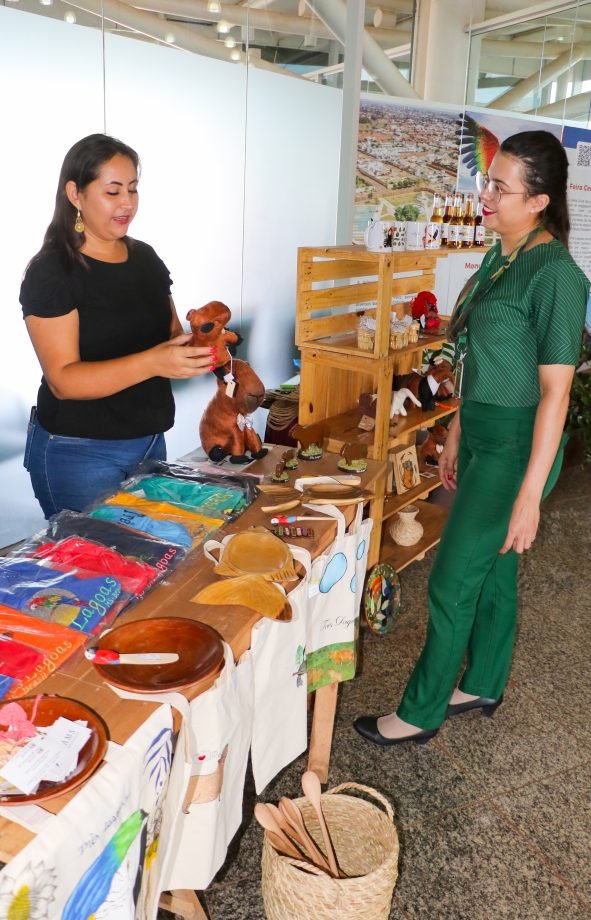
[127, 517]
[5, 685]
[83, 604]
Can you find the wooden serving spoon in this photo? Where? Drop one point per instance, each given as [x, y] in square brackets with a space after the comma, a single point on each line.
[275, 834]
[312, 790]
[294, 818]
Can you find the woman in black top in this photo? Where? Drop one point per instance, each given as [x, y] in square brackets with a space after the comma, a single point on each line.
[98, 309]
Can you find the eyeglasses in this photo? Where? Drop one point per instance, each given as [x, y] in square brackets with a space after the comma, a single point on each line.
[491, 188]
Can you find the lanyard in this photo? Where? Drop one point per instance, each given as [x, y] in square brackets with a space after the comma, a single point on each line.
[472, 293]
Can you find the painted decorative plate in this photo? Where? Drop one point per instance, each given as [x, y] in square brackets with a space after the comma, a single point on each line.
[381, 600]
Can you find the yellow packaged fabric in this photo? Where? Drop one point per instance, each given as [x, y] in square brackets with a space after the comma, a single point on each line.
[198, 525]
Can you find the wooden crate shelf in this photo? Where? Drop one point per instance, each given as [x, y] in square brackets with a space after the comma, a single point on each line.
[432, 517]
[336, 285]
[344, 427]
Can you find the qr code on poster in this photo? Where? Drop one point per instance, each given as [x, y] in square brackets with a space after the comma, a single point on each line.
[583, 154]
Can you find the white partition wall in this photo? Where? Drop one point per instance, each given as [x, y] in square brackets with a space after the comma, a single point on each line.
[239, 169]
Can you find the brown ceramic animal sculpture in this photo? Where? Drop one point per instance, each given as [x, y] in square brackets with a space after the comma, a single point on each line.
[208, 325]
[226, 427]
[430, 449]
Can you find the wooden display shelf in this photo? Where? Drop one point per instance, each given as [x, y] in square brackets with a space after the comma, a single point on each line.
[346, 343]
[344, 426]
[432, 517]
[394, 503]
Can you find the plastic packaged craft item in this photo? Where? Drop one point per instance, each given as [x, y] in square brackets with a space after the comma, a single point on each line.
[198, 526]
[49, 645]
[142, 523]
[92, 558]
[86, 604]
[211, 500]
[244, 482]
[162, 556]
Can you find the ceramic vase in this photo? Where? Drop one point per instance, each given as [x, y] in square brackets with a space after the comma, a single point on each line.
[406, 531]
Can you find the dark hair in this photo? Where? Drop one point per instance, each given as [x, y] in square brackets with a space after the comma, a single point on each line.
[81, 165]
[545, 171]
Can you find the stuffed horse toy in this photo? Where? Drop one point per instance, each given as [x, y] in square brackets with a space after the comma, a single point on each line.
[226, 426]
[437, 383]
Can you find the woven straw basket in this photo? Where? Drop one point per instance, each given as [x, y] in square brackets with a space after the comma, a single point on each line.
[366, 846]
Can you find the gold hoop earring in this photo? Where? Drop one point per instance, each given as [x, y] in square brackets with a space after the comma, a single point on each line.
[79, 225]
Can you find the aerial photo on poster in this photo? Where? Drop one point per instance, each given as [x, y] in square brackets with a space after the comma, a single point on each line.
[407, 151]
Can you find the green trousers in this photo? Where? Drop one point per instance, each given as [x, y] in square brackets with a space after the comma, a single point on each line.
[472, 591]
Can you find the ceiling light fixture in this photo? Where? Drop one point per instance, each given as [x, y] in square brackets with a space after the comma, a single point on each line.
[235, 55]
[230, 42]
[169, 38]
[223, 27]
[45, 2]
[214, 6]
[378, 17]
[70, 17]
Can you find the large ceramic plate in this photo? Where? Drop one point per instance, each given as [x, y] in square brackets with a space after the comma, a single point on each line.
[256, 553]
[49, 709]
[381, 602]
[199, 647]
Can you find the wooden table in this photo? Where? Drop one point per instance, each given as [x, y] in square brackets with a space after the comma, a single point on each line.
[173, 597]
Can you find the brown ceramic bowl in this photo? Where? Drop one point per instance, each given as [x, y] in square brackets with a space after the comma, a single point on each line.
[199, 647]
[50, 709]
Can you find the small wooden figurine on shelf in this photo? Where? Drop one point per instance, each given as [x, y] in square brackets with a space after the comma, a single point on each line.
[311, 440]
[290, 459]
[226, 427]
[353, 457]
[279, 474]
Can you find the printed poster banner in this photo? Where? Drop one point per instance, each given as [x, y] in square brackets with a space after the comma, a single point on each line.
[408, 150]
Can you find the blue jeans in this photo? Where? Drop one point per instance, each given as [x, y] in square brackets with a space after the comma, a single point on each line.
[73, 473]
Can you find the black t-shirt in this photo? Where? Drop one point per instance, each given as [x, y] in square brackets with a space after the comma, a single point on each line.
[123, 309]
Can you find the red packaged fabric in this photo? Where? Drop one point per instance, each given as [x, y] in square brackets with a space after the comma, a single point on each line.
[74, 552]
[49, 643]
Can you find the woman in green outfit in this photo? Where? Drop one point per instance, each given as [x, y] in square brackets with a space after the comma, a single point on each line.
[518, 327]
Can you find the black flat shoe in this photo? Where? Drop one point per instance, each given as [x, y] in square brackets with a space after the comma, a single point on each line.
[488, 706]
[367, 727]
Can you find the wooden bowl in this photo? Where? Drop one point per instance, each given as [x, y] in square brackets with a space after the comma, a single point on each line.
[49, 709]
[199, 647]
[256, 553]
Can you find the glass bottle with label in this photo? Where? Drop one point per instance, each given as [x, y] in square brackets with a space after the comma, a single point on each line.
[455, 226]
[468, 222]
[447, 216]
[434, 226]
[478, 227]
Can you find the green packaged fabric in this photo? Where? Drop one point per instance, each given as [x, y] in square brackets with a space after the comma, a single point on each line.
[210, 500]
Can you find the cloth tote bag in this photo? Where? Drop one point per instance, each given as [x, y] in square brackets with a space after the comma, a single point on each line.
[336, 589]
[280, 733]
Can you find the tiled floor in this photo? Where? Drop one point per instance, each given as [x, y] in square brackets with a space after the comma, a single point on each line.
[494, 815]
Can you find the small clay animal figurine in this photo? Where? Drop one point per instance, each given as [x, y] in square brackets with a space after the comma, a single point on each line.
[208, 325]
[353, 457]
[280, 474]
[311, 439]
[399, 397]
[290, 459]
